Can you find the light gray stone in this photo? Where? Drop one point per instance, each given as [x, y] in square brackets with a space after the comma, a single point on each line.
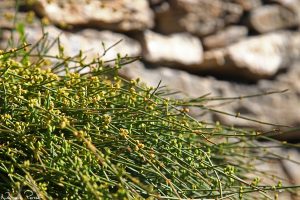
[262, 55]
[121, 15]
[293, 5]
[225, 37]
[276, 109]
[280, 165]
[272, 17]
[291, 165]
[200, 17]
[255, 57]
[88, 40]
[7, 18]
[177, 49]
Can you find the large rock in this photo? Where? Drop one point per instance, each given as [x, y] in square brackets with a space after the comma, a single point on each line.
[281, 109]
[121, 15]
[263, 55]
[256, 57]
[293, 5]
[8, 16]
[282, 164]
[272, 17]
[88, 40]
[225, 37]
[200, 17]
[292, 166]
[177, 49]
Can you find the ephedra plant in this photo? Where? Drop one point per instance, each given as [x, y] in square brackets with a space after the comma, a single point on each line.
[71, 135]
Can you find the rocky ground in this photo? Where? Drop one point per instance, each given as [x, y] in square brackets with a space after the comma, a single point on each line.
[228, 48]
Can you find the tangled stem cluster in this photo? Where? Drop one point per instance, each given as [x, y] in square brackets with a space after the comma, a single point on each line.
[98, 136]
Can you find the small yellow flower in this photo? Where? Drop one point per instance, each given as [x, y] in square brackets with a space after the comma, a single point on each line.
[124, 132]
[64, 123]
[45, 21]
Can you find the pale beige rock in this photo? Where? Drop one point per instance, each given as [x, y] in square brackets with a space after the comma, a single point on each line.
[168, 19]
[292, 166]
[275, 109]
[262, 55]
[179, 49]
[121, 15]
[225, 37]
[255, 57]
[276, 167]
[7, 16]
[214, 60]
[200, 17]
[280, 109]
[126, 45]
[89, 41]
[293, 5]
[272, 17]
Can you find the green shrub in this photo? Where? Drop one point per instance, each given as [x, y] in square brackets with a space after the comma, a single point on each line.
[98, 136]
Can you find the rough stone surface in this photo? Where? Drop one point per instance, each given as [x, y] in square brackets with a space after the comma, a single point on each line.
[281, 169]
[225, 37]
[292, 166]
[176, 49]
[214, 60]
[263, 55]
[88, 40]
[266, 108]
[199, 17]
[256, 57]
[121, 15]
[293, 5]
[272, 17]
[7, 19]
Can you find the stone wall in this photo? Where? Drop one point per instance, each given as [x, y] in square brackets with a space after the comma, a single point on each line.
[227, 48]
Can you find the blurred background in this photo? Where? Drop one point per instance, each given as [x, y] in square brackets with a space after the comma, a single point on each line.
[219, 48]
